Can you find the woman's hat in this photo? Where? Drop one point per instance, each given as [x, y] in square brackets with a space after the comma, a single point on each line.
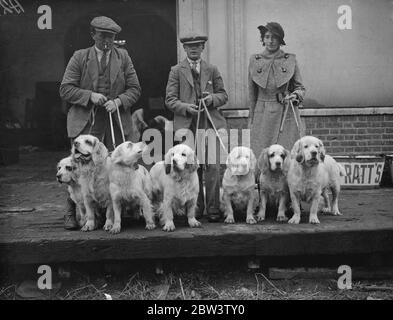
[275, 28]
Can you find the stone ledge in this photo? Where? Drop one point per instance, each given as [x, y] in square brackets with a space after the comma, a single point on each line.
[320, 112]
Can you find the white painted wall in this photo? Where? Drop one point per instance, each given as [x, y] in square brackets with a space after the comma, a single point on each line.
[339, 68]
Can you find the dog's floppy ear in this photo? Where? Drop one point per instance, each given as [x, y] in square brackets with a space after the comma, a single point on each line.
[322, 151]
[116, 155]
[253, 161]
[168, 161]
[100, 152]
[228, 162]
[297, 151]
[287, 161]
[192, 162]
[263, 161]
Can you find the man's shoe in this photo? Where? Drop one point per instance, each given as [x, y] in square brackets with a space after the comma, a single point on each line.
[70, 222]
[199, 213]
[214, 216]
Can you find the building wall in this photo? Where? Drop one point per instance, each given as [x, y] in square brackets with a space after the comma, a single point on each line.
[347, 69]
[29, 55]
[354, 134]
[339, 67]
[366, 134]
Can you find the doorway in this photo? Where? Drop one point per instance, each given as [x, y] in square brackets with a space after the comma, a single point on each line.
[149, 29]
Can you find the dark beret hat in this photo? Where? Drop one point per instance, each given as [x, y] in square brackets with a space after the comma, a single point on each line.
[275, 28]
[105, 24]
[193, 37]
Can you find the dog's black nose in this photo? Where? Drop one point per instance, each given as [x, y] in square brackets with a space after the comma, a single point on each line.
[58, 176]
[314, 154]
[278, 164]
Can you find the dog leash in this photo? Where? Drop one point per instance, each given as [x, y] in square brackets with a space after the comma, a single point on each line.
[112, 129]
[203, 104]
[93, 118]
[284, 116]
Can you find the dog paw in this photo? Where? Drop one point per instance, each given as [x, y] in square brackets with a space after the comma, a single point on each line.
[89, 226]
[314, 220]
[326, 210]
[337, 213]
[150, 225]
[194, 223]
[108, 225]
[260, 217]
[251, 220]
[282, 218]
[169, 226]
[294, 220]
[115, 229]
[229, 220]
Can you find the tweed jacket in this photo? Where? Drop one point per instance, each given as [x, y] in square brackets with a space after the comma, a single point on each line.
[81, 78]
[180, 93]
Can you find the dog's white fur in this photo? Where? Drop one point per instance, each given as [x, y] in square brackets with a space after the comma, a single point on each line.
[273, 164]
[311, 173]
[175, 180]
[239, 184]
[91, 155]
[129, 183]
[67, 173]
[335, 171]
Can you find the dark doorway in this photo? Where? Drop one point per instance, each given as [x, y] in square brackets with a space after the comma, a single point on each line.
[149, 29]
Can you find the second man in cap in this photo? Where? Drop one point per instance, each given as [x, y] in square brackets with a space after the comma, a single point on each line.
[189, 81]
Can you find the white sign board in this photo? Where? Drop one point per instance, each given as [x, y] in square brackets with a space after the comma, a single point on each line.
[362, 173]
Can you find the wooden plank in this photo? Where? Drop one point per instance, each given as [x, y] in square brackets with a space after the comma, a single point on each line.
[358, 273]
[38, 236]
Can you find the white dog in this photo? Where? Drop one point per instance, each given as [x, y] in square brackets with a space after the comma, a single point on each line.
[129, 183]
[273, 163]
[91, 155]
[239, 184]
[310, 173]
[175, 180]
[67, 172]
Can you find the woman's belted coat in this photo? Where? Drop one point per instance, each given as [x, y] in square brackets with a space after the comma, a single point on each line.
[270, 78]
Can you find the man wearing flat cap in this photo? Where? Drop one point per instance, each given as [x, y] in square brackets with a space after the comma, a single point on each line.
[98, 81]
[189, 81]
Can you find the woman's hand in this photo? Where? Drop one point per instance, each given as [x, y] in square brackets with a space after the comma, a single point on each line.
[291, 97]
[294, 98]
[208, 100]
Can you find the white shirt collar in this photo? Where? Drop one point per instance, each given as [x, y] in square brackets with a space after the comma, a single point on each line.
[198, 64]
[101, 52]
[191, 62]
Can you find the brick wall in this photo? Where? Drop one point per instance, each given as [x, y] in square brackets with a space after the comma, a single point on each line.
[346, 135]
[353, 134]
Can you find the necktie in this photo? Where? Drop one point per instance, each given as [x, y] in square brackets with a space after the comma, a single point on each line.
[194, 70]
[194, 67]
[103, 61]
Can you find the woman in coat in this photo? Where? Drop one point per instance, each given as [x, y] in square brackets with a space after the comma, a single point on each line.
[274, 78]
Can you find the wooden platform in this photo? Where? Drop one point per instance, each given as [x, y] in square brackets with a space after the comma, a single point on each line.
[38, 236]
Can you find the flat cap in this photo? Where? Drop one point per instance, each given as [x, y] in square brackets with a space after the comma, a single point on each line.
[105, 24]
[193, 37]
